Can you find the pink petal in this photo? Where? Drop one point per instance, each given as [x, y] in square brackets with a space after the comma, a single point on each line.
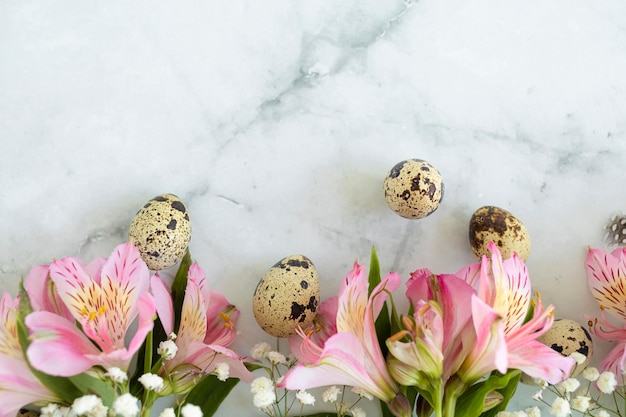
[126, 267]
[196, 273]
[606, 277]
[342, 363]
[614, 361]
[540, 361]
[164, 303]
[147, 309]
[489, 352]
[19, 387]
[58, 347]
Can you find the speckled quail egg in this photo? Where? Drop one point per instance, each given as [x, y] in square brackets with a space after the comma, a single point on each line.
[566, 337]
[491, 223]
[413, 188]
[161, 231]
[287, 296]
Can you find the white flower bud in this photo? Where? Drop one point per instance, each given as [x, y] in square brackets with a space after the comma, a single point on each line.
[167, 349]
[190, 410]
[560, 407]
[151, 382]
[331, 394]
[607, 382]
[305, 398]
[126, 406]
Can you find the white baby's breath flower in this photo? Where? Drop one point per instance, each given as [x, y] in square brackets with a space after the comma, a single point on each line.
[538, 395]
[581, 403]
[151, 382]
[54, 410]
[362, 393]
[358, 412]
[578, 357]
[260, 350]
[568, 385]
[222, 371]
[115, 374]
[533, 412]
[305, 397]
[167, 349]
[191, 410]
[126, 406]
[560, 407]
[519, 414]
[261, 384]
[276, 358]
[89, 405]
[331, 394]
[603, 413]
[264, 399]
[591, 374]
[606, 382]
[171, 336]
[168, 412]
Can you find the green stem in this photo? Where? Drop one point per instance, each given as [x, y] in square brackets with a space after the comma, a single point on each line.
[453, 391]
[147, 360]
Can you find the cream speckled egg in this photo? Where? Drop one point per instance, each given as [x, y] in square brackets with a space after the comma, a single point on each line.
[287, 296]
[161, 231]
[413, 188]
[566, 337]
[491, 223]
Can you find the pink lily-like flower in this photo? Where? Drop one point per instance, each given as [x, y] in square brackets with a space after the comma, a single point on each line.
[105, 298]
[505, 287]
[207, 328]
[606, 277]
[18, 385]
[352, 356]
[42, 293]
[322, 328]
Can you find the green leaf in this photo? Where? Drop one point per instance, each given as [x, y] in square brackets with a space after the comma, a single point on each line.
[62, 387]
[89, 384]
[178, 288]
[472, 402]
[507, 392]
[383, 324]
[209, 393]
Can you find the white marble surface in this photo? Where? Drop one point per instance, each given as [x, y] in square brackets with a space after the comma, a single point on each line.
[277, 121]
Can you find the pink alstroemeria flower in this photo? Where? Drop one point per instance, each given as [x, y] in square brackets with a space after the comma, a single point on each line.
[105, 298]
[42, 293]
[352, 355]
[606, 277]
[18, 385]
[207, 328]
[505, 287]
[443, 340]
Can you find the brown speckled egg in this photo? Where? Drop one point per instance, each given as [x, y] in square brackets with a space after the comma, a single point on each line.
[287, 296]
[566, 337]
[491, 223]
[161, 231]
[413, 188]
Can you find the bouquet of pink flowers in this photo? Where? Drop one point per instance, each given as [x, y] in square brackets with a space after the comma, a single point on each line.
[458, 351]
[68, 340]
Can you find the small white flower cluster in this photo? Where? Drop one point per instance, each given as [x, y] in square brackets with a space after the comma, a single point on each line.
[267, 396]
[571, 395]
[124, 405]
[343, 408]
